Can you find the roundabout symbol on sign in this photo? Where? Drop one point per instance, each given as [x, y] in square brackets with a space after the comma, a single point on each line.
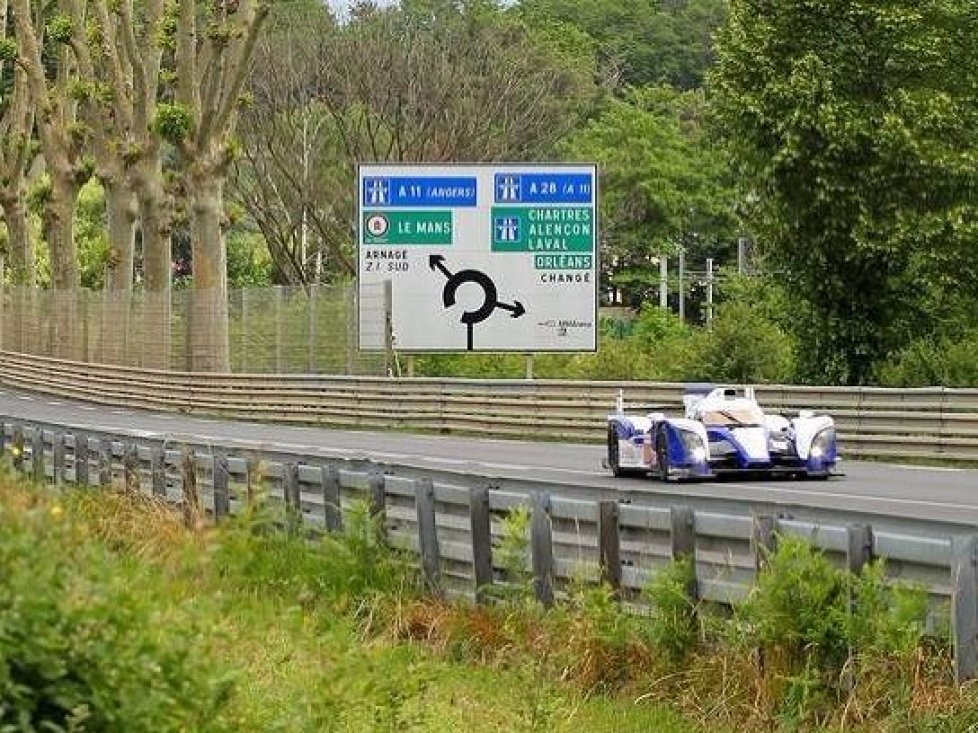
[377, 225]
[490, 300]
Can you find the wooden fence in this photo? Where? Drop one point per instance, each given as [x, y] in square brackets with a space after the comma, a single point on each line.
[455, 527]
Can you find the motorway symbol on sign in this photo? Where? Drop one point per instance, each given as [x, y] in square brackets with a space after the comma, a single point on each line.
[490, 300]
[378, 191]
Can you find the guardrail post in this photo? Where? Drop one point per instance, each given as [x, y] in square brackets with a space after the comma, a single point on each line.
[481, 523]
[376, 482]
[130, 467]
[424, 496]
[58, 458]
[859, 547]
[81, 459]
[609, 544]
[253, 480]
[37, 455]
[964, 606]
[222, 493]
[17, 448]
[157, 469]
[683, 543]
[541, 543]
[105, 462]
[330, 483]
[191, 497]
[291, 492]
[763, 540]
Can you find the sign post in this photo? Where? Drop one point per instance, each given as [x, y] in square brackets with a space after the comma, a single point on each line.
[480, 257]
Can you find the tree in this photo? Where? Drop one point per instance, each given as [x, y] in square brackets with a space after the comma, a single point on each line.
[640, 41]
[855, 124]
[662, 190]
[213, 49]
[284, 177]
[430, 81]
[17, 151]
[61, 134]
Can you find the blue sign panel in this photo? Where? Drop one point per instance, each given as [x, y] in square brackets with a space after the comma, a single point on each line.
[414, 191]
[544, 188]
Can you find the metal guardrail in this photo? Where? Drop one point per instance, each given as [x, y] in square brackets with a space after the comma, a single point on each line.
[930, 423]
[454, 524]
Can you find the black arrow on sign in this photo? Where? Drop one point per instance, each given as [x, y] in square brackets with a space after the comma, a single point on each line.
[490, 300]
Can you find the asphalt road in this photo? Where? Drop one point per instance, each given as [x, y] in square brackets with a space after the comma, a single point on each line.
[910, 492]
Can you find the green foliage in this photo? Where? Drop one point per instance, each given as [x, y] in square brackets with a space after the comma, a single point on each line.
[91, 234]
[799, 604]
[513, 554]
[344, 570]
[664, 189]
[172, 122]
[79, 651]
[60, 28]
[249, 263]
[743, 347]
[8, 49]
[948, 362]
[673, 626]
[643, 41]
[854, 127]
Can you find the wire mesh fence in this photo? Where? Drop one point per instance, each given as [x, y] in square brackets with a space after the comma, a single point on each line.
[269, 330]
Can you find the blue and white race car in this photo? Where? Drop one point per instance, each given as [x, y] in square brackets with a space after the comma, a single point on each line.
[724, 432]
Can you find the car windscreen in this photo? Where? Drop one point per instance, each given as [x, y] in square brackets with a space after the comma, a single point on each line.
[733, 416]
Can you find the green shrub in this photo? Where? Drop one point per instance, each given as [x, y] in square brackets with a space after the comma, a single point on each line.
[948, 362]
[79, 650]
[673, 626]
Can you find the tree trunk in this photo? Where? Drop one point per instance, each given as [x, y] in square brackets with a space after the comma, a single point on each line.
[120, 204]
[157, 269]
[208, 332]
[59, 232]
[21, 260]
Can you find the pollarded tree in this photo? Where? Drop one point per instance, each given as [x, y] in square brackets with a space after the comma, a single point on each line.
[16, 153]
[120, 51]
[62, 136]
[856, 126]
[214, 43]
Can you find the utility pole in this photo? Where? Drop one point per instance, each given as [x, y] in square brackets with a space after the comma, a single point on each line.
[663, 282]
[682, 287]
[709, 292]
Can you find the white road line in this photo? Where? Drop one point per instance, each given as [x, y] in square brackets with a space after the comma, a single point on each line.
[943, 469]
[24, 397]
[850, 496]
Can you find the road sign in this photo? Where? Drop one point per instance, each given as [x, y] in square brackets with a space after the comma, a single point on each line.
[480, 257]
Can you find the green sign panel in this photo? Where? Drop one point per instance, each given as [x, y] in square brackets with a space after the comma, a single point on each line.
[562, 262]
[543, 229]
[407, 227]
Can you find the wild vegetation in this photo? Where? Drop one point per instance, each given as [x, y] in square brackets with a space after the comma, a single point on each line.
[117, 618]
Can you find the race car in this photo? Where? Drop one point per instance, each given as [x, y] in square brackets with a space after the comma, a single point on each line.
[724, 431]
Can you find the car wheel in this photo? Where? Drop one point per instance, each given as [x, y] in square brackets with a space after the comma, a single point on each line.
[614, 460]
[662, 453]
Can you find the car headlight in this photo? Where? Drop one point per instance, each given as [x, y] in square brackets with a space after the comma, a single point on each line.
[693, 446]
[823, 444]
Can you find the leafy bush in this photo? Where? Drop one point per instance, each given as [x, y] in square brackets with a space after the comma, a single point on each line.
[948, 362]
[673, 625]
[80, 651]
